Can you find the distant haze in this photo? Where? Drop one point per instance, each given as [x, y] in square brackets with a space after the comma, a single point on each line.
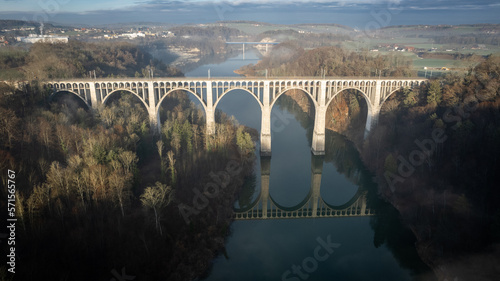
[361, 14]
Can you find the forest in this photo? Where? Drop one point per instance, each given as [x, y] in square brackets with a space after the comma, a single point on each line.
[435, 155]
[77, 59]
[289, 59]
[97, 192]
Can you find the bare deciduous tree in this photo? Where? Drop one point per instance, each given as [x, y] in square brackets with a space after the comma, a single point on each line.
[156, 197]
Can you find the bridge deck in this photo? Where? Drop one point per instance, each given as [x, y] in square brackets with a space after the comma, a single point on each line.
[194, 79]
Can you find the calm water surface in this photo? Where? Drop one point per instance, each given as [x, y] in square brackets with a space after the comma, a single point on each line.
[273, 249]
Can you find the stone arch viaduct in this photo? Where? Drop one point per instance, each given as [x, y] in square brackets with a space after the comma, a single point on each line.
[266, 91]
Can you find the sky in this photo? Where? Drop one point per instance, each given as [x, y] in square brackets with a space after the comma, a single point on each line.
[355, 13]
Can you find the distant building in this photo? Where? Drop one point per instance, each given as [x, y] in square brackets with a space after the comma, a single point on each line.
[33, 38]
[168, 34]
[133, 35]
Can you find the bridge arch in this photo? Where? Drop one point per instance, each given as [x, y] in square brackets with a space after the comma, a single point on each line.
[311, 98]
[346, 205]
[302, 204]
[219, 98]
[128, 91]
[70, 92]
[189, 91]
[371, 112]
[399, 87]
[67, 88]
[365, 96]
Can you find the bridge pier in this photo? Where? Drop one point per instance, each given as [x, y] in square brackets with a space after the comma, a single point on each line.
[318, 141]
[265, 135]
[154, 112]
[93, 96]
[154, 122]
[265, 129]
[210, 112]
[316, 173]
[265, 172]
[371, 120]
[363, 204]
[374, 112]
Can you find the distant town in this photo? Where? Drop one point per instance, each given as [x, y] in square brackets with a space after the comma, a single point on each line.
[62, 34]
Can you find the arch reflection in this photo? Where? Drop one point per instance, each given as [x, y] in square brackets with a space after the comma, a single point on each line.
[313, 205]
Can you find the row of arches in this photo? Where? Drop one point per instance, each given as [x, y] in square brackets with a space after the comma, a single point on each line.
[104, 92]
[70, 85]
[256, 88]
[266, 207]
[101, 92]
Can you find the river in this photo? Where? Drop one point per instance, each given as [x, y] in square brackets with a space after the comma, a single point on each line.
[374, 247]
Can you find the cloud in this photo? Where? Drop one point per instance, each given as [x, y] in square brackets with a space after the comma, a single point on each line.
[338, 4]
[347, 12]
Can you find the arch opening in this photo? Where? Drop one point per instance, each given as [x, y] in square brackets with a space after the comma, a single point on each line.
[302, 204]
[406, 86]
[181, 104]
[126, 113]
[297, 102]
[242, 105]
[111, 95]
[347, 113]
[338, 191]
[163, 93]
[71, 99]
[292, 125]
[72, 106]
[292, 90]
[222, 90]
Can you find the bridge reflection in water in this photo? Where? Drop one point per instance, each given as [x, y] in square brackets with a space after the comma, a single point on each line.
[313, 206]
